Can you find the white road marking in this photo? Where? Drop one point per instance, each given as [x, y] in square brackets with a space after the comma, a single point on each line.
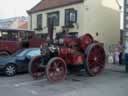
[27, 83]
[33, 92]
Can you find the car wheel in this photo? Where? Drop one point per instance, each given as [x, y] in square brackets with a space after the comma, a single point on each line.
[4, 54]
[10, 70]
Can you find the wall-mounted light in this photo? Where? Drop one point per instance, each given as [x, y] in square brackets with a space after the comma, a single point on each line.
[97, 33]
[86, 8]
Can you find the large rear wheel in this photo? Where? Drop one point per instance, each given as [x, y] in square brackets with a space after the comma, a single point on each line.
[56, 70]
[95, 59]
[35, 69]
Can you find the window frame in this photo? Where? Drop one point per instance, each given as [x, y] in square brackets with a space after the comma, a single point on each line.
[58, 15]
[39, 22]
[68, 11]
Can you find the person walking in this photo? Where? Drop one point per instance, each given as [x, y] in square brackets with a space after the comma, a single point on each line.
[116, 56]
[120, 49]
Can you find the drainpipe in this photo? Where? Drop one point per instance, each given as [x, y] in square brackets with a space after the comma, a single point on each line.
[31, 21]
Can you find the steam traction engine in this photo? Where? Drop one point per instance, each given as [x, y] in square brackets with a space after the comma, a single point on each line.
[65, 54]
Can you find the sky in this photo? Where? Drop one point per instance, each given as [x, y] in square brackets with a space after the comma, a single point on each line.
[12, 8]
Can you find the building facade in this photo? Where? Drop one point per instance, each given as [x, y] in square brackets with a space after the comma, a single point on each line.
[19, 23]
[100, 18]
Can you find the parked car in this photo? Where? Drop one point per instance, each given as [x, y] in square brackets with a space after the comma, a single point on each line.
[18, 62]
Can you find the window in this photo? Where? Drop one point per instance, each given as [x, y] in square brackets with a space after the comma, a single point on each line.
[33, 53]
[42, 35]
[54, 16]
[9, 35]
[70, 17]
[39, 22]
[26, 35]
[21, 53]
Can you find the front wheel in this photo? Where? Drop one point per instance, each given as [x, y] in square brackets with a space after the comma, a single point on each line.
[10, 70]
[56, 70]
[35, 69]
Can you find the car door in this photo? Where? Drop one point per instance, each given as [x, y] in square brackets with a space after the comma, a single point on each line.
[29, 55]
[22, 62]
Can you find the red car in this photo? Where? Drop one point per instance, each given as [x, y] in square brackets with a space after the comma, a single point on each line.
[12, 40]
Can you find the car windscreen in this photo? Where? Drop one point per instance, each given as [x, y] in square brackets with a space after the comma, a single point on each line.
[34, 52]
[20, 52]
[27, 52]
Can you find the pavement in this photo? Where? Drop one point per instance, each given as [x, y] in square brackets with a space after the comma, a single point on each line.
[112, 82]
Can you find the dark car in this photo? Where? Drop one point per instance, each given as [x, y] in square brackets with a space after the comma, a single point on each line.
[18, 62]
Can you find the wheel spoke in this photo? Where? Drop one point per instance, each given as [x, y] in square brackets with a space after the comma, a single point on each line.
[10, 70]
[56, 69]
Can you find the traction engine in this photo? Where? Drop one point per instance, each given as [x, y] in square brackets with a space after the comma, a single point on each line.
[65, 54]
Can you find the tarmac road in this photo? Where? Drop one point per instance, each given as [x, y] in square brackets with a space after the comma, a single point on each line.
[109, 83]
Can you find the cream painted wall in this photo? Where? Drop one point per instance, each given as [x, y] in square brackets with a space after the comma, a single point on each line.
[102, 16]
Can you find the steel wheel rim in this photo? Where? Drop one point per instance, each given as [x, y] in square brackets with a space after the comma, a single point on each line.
[56, 70]
[35, 70]
[95, 59]
[10, 70]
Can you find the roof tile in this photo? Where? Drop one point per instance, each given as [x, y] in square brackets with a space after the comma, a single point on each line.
[49, 4]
